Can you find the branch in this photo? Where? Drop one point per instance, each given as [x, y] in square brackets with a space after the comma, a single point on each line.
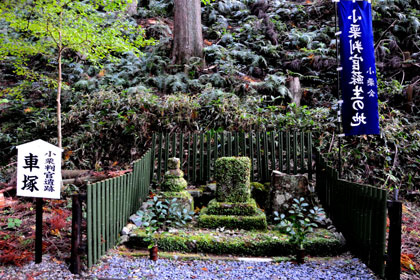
[395, 157]
[383, 34]
[50, 32]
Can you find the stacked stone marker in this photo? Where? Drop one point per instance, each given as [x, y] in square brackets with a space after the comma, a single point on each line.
[174, 185]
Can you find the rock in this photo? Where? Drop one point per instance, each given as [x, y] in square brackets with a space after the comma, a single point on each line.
[211, 187]
[128, 228]
[131, 227]
[124, 239]
[285, 187]
[174, 163]
[196, 193]
[125, 231]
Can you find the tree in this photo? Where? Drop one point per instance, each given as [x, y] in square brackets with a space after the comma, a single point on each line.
[52, 27]
[132, 7]
[188, 37]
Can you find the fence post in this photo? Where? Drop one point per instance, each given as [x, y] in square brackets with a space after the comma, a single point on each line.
[76, 234]
[393, 263]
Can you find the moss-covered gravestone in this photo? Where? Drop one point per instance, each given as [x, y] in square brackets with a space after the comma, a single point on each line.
[174, 185]
[232, 177]
[233, 206]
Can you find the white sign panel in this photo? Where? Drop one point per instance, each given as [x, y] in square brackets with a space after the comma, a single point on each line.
[39, 170]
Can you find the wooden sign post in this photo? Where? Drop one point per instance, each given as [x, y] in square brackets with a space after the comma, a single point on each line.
[39, 175]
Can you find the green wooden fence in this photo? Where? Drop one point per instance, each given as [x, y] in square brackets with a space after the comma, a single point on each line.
[286, 151]
[358, 211]
[110, 203]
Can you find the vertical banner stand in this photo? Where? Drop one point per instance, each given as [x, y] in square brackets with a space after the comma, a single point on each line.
[38, 230]
[339, 68]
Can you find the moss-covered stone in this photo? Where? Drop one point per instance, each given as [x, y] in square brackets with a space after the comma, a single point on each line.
[232, 175]
[174, 163]
[261, 194]
[257, 221]
[248, 208]
[252, 243]
[173, 184]
[184, 198]
[173, 180]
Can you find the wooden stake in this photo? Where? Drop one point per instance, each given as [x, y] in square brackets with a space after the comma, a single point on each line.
[38, 231]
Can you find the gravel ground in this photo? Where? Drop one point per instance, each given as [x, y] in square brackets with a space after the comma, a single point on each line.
[115, 267]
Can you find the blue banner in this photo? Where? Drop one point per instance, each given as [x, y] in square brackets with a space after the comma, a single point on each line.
[358, 76]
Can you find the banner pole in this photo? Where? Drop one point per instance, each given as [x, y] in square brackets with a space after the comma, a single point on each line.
[337, 36]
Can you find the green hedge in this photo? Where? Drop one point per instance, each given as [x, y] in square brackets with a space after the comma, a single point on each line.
[253, 243]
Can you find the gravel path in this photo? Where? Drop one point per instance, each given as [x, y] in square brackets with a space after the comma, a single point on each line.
[122, 267]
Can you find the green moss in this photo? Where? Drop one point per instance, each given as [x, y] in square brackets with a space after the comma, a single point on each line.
[248, 208]
[181, 194]
[257, 221]
[261, 194]
[232, 175]
[252, 243]
[174, 184]
[320, 241]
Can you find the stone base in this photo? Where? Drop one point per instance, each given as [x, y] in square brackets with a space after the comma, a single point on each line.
[257, 221]
[184, 198]
[248, 208]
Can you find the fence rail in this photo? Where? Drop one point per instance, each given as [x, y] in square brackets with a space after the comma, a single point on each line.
[110, 203]
[289, 152]
[358, 211]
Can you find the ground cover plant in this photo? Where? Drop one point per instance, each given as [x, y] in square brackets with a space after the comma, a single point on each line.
[253, 54]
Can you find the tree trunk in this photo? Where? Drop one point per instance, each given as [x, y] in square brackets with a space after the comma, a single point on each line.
[59, 136]
[132, 7]
[188, 37]
[60, 80]
[295, 90]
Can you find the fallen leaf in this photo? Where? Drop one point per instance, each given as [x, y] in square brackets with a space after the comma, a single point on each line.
[101, 73]
[2, 200]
